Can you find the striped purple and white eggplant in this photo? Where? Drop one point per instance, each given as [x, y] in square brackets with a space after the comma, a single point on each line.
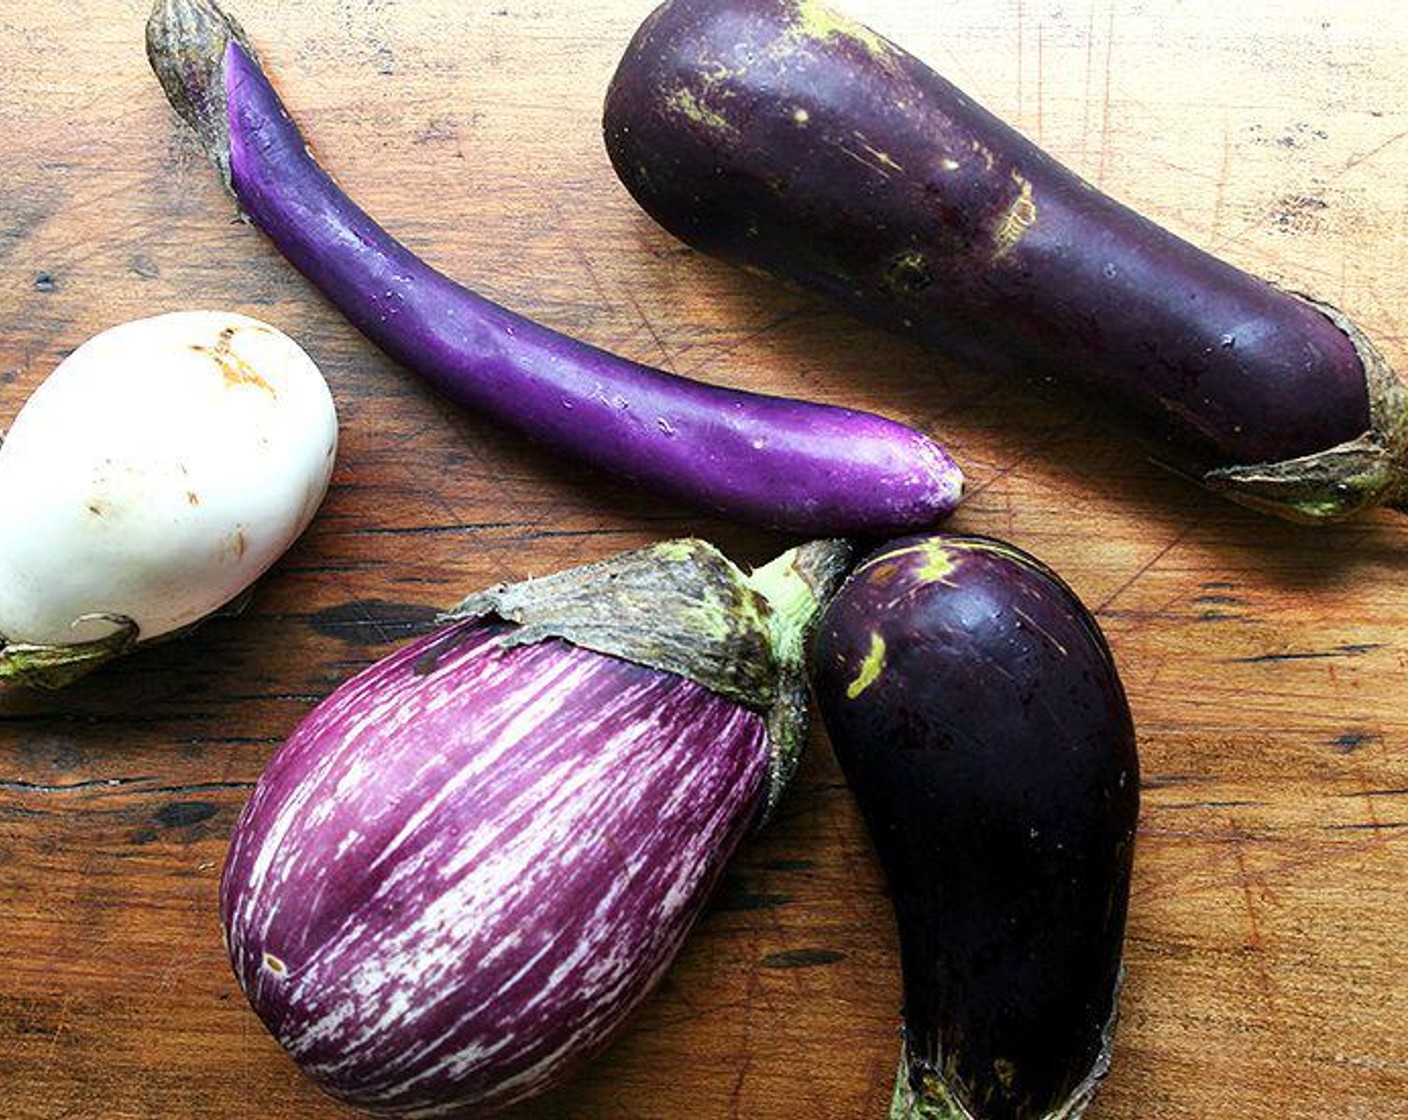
[476, 857]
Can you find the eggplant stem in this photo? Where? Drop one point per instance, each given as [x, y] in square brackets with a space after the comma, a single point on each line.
[796, 586]
[53, 667]
[186, 45]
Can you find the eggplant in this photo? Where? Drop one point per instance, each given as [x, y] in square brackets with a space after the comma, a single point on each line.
[784, 137]
[807, 468]
[149, 482]
[473, 859]
[979, 719]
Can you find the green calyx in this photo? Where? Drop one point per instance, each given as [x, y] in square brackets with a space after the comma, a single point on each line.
[54, 667]
[795, 587]
[682, 607]
[940, 1093]
[1334, 484]
[935, 1102]
[186, 45]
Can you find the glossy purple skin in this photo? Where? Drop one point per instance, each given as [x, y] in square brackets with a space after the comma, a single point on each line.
[786, 464]
[991, 750]
[470, 862]
[849, 166]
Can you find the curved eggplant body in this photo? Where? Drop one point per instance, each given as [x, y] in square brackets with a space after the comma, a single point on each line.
[975, 710]
[784, 137]
[437, 915]
[788, 464]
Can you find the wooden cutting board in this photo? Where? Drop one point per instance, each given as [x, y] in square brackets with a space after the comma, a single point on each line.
[1267, 948]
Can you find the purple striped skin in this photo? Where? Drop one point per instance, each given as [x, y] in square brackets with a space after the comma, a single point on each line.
[782, 136]
[808, 468]
[453, 883]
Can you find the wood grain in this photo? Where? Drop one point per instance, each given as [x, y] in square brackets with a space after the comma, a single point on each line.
[1267, 952]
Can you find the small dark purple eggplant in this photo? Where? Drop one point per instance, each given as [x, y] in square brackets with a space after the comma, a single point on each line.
[976, 711]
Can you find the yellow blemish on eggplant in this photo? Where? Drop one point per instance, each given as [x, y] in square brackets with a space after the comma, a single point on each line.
[936, 566]
[947, 164]
[909, 273]
[801, 116]
[870, 668]
[274, 965]
[869, 156]
[815, 20]
[1020, 217]
[883, 158]
[235, 369]
[715, 73]
[687, 104]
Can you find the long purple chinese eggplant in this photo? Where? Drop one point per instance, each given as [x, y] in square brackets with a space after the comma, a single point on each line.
[808, 468]
[781, 135]
[472, 860]
[976, 711]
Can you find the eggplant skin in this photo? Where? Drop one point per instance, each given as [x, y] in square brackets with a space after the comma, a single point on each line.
[472, 860]
[782, 136]
[805, 467]
[978, 716]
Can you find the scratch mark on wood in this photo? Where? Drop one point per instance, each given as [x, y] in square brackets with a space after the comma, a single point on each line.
[1145, 568]
[1207, 804]
[1367, 826]
[1356, 161]
[802, 958]
[16, 786]
[1357, 649]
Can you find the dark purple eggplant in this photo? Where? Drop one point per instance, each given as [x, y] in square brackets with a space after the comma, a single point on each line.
[808, 468]
[782, 136]
[976, 712]
[472, 861]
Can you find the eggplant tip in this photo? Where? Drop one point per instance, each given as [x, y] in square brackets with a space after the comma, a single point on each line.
[186, 45]
[933, 1099]
[52, 667]
[1341, 481]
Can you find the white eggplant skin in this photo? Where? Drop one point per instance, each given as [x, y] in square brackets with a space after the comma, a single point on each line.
[156, 474]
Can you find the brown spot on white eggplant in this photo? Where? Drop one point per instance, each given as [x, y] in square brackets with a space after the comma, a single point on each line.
[233, 367]
[994, 762]
[918, 209]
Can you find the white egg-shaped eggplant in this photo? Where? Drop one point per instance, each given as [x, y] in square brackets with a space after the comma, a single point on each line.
[149, 481]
